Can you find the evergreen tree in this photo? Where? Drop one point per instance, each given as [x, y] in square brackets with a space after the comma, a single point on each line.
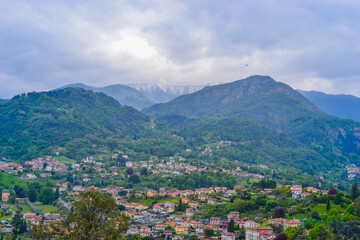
[328, 206]
[231, 226]
[354, 191]
[57, 194]
[242, 233]
[18, 223]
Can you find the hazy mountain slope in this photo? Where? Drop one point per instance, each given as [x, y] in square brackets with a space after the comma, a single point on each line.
[343, 106]
[72, 118]
[122, 93]
[162, 93]
[273, 104]
[3, 100]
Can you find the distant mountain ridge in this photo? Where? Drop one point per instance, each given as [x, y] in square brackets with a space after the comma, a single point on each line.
[143, 94]
[123, 94]
[162, 93]
[343, 106]
[3, 100]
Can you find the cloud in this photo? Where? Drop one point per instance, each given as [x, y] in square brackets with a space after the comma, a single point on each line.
[306, 44]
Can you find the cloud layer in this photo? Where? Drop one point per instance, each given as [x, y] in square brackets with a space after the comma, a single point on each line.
[310, 45]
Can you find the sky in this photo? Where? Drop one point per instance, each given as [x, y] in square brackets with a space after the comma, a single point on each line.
[310, 45]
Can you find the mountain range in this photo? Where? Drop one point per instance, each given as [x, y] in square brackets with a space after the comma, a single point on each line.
[267, 121]
[145, 95]
[140, 95]
[343, 106]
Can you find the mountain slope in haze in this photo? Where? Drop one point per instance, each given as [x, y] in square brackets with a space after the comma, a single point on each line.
[72, 119]
[275, 105]
[342, 106]
[3, 100]
[162, 93]
[123, 94]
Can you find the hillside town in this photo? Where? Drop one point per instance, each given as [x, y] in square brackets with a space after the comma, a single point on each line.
[163, 212]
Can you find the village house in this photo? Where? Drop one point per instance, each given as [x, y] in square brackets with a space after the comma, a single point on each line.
[233, 215]
[28, 216]
[133, 231]
[193, 204]
[257, 233]
[227, 236]
[189, 212]
[181, 229]
[212, 201]
[171, 209]
[304, 195]
[35, 220]
[185, 200]
[291, 223]
[138, 206]
[214, 221]
[202, 197]
[152, 193]
[285, 223]
[168, 204]
[251, 224]
[296, 190]
[145, 233]
[159, 228]
[5, 195]
[170, 223]
[195, 224]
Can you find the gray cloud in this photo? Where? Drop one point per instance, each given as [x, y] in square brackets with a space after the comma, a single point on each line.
[307, 44]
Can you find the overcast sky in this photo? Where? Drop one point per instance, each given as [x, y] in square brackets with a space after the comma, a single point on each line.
[310, 45]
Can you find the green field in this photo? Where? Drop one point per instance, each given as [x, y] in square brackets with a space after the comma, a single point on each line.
[64, 159]
[320, 208]
[48, 208]
[26, 208]
[9, 180]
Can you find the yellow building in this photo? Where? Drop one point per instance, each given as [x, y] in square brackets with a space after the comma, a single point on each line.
[181, 229]
[193, 204]
[138, 206]
[184, 200]
[291, 223]
[152, 194]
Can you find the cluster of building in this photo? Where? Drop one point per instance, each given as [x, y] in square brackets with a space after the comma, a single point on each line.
[46, 164]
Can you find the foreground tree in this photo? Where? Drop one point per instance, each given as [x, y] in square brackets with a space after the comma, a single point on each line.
[94, 216]
[18, 223]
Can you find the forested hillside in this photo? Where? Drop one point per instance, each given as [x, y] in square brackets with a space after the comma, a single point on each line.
[71, 120]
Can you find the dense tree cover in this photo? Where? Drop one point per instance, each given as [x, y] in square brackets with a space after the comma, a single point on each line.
[95, 216]
[38, 123]
[320, 139]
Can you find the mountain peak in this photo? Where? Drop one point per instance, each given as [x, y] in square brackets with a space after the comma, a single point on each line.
[259, 98]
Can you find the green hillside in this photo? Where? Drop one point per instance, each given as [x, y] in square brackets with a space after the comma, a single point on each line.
[273, 104]
[72, 120]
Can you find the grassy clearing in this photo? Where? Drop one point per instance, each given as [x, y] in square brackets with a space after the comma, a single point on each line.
[174, 200]
[64, 159]
[48, 208]
[9, 180]
[25, 208]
